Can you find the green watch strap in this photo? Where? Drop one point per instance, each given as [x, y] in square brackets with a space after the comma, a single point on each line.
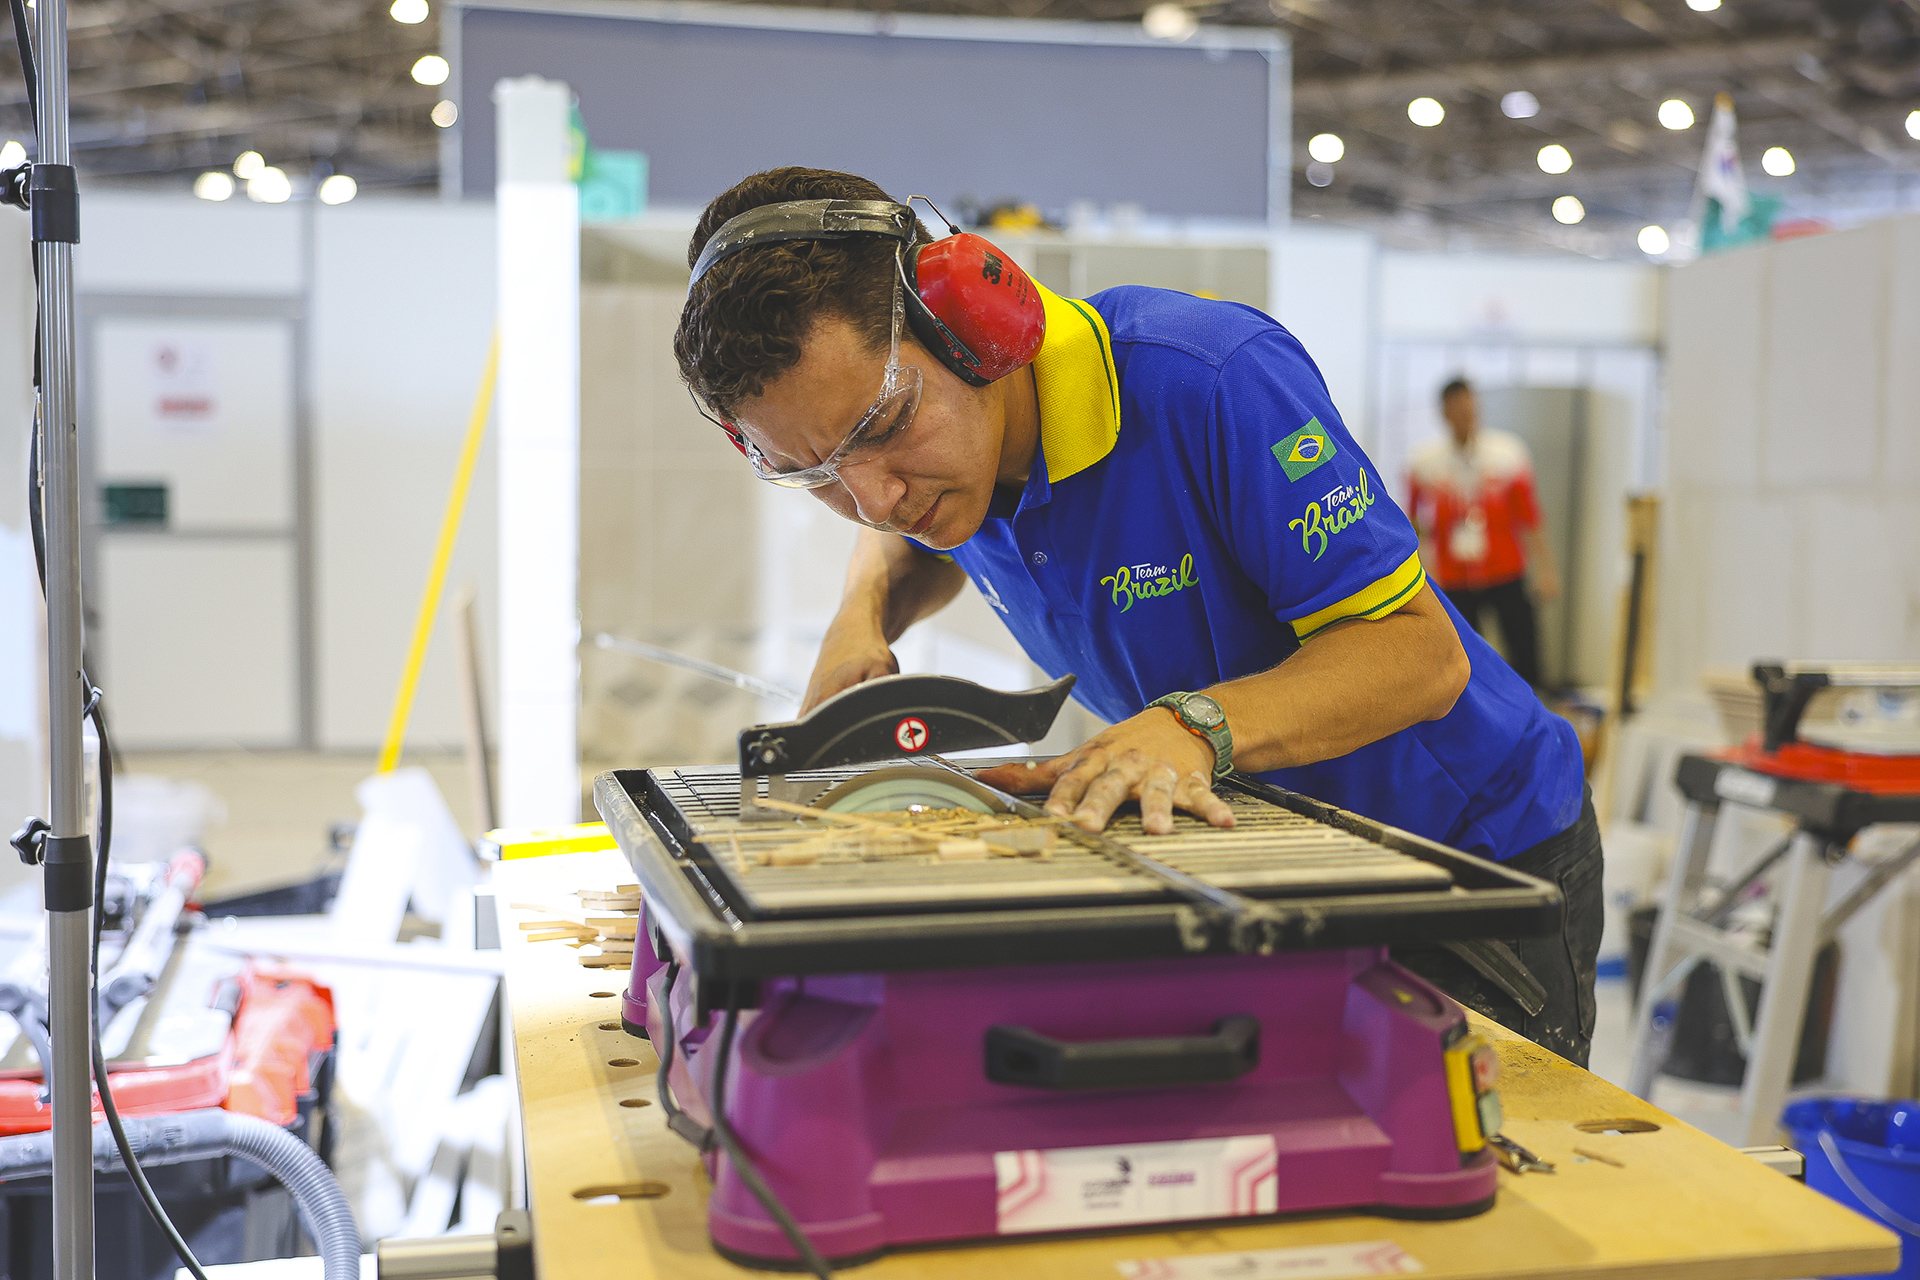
[1218, 734]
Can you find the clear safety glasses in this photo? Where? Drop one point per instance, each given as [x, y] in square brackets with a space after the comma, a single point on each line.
[889, 416]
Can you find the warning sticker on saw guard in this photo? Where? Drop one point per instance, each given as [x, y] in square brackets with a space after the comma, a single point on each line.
[1077, 1187]
[911, 733]
[1311, 1262]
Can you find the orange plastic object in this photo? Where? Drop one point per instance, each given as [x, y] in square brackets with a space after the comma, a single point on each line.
[284, 1020]
[1873, 774]
[262, 1069]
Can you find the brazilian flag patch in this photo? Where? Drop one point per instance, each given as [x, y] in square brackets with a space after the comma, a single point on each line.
[1304, 450]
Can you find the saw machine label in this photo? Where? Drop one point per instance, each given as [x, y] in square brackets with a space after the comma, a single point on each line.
[911, 733]
[1072, 1188]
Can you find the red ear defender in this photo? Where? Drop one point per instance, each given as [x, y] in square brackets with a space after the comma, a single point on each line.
[982, 315]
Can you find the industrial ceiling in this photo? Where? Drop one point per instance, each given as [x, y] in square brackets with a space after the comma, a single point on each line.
[163, 89]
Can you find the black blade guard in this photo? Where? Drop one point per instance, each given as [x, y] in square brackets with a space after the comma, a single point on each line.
[901, 716]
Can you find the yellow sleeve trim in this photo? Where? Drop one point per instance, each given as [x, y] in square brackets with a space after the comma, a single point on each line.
[1370, 602]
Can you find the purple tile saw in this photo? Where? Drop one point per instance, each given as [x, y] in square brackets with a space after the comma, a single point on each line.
[1128, 1031]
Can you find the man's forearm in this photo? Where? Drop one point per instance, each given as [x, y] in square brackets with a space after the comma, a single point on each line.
[893, 584]
[1352, 685]
[1539, 552]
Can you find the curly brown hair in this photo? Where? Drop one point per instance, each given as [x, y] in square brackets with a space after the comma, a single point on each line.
[745, 320]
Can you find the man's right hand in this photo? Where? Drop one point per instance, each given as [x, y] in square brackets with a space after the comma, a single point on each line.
[891, 584]
[848, 656]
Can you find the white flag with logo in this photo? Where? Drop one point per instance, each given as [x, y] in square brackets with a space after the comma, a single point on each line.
[1721, 177]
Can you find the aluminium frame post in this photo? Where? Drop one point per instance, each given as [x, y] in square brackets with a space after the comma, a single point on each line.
[69, 852]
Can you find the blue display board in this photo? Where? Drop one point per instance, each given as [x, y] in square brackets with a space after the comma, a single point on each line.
[1046, 113]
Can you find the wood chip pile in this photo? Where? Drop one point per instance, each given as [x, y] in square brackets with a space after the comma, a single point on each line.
[925, 835]
[602, 930]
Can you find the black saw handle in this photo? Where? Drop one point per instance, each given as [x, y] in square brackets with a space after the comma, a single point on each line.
[1017, 1055]
[898, 716]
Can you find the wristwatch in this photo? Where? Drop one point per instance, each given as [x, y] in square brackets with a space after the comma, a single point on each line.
[1202, 717]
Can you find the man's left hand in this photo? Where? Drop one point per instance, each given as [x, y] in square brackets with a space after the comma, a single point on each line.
[1151, 758]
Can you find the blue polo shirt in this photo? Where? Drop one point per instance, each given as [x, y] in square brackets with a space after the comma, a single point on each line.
[1197, 512]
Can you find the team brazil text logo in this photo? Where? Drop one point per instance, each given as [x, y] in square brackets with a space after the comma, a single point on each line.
[1346, 506]
[1132, 583]
[1304, 450]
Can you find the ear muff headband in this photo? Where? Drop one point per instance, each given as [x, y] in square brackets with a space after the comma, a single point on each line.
[805, 220]
[980, 329]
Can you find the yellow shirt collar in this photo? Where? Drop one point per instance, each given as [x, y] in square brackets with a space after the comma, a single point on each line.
[1078, 390]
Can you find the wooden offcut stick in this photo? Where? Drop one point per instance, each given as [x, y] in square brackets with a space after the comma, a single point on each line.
[825, 815]
[797, 856]
[1024, 841]
[628, 902]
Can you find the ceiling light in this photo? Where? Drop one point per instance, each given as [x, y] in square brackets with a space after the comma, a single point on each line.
[1777, 161]
[1426, 112]
[409, 11]
[1554, 158]
[211, 185]
[247, 165]
[1568, 210]
[444, 113]
[1519, 105]
[1913, 125]
[12, 155]
[1654, 241]
[337, 188]
[1326, 148]
[270, 186]
[432, 69]
[1703, 6]
[1169, 22]
[1320, 174]
[1675, 114]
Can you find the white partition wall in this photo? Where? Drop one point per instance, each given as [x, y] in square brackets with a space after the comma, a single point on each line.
[360, 329]
[538, 208]
[403, 301]
[1792, 523]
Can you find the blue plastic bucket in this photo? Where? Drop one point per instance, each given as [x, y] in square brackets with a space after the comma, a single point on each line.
[1858, 1153]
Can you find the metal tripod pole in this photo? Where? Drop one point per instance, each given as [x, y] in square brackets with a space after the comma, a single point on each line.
[69, 854]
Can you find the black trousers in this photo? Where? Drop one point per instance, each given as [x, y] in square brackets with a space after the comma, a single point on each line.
[1518, 630]
[1563, 961]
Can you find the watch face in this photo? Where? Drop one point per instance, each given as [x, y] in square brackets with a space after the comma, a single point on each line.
[1204, 711]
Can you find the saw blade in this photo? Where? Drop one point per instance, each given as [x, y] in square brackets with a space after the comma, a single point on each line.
[908, 787]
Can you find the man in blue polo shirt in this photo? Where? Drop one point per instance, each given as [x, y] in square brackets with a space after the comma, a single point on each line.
[1164, 501]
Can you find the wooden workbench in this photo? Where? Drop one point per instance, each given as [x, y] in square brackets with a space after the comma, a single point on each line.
[1676, 1203]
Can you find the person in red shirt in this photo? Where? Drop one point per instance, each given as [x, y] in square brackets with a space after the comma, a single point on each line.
[1472, 499]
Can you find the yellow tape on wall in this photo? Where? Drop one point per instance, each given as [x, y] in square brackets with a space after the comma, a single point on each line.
[442, 553]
